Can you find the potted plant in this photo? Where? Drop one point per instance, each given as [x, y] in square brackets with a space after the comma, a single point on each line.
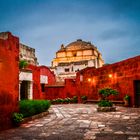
[17, 118]
[104, 103]
[75, 99]
[84, 98]
[126, 100]
[23, 64]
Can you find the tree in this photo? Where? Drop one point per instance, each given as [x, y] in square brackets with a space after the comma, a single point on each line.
[104, 94]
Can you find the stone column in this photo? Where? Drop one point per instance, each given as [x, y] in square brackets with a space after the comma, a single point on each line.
[30, 90]
[19, 89]
[96, 63]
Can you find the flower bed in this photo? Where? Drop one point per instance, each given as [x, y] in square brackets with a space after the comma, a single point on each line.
[65, 101]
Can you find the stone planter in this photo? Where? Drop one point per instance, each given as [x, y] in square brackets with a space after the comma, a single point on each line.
[126, 103]
[106, 109]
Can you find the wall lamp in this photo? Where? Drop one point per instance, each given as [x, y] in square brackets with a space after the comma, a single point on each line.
[89, 80]
[110, 75]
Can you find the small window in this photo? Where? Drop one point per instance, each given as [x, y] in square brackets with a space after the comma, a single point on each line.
[72, 68]
[67, 70]
[74, 54]
[43, 87]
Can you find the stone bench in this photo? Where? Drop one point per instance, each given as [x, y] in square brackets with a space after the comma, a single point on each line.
[91, 101]
[118, 102]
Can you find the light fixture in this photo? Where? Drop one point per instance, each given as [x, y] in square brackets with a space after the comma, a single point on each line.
[89, 80]
[110, 76]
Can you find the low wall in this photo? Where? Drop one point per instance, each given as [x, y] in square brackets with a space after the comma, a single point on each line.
[120, 76]
[61, 91]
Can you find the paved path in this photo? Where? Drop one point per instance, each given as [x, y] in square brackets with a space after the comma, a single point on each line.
[79, 122]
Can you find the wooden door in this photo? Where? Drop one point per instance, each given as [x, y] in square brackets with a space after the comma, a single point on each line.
[137, 93]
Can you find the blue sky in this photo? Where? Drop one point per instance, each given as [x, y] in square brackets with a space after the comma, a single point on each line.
[111, 25]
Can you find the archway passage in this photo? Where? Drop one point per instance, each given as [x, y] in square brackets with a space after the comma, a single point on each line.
[137, 92]
[24, 90]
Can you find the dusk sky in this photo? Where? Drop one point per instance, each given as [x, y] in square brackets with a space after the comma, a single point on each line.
[111, 25]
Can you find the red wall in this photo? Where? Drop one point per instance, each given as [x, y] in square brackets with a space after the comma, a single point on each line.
[46, 71]
[69, 89]
[36, 82]
[9, 57]
[37, 71]
[123, 73]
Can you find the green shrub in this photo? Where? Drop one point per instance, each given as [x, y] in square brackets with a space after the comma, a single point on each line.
[75, 99]
[53, 101]
[105, 103]
[127, 97]
[32, 107]
[62, 101]
[17, 118]
[23, 64]
[57, 101]
[84, 97]
[106, 92]
[66, 100]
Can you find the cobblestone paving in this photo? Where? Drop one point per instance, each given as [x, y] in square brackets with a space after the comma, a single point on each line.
[79, 122]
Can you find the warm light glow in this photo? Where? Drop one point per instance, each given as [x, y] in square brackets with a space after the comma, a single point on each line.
[81, 78]
[89, 80]
[110, 75]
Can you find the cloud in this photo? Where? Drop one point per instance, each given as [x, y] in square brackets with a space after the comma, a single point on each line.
[113, 26]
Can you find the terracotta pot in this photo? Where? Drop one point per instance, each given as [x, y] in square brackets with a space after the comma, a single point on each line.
[126, 103]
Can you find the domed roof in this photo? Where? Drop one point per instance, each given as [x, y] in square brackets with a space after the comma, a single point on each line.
[78, 45]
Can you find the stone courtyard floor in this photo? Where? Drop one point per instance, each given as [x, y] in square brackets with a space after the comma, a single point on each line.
[79, 122]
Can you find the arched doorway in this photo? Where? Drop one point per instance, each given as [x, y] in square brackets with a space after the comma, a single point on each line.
[24, 90]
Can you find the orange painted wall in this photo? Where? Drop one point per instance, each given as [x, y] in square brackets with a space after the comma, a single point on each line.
[9, 79]
[123, 73]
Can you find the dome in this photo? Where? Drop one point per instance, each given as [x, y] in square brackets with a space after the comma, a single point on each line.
[79, 45]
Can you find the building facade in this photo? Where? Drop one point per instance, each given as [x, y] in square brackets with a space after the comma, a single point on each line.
[27, 53]
[74, 57]
[32, 81]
